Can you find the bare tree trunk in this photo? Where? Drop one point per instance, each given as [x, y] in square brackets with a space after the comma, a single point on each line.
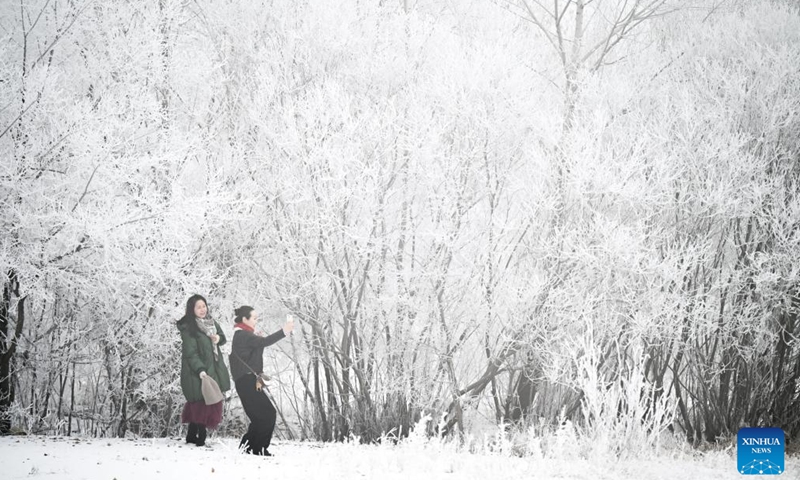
[71, 401]
[572, 67]
[164, 88]
[9, 347]
[325, 426]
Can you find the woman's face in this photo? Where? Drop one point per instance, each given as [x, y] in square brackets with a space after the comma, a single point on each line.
[200, 309]
[251, 322]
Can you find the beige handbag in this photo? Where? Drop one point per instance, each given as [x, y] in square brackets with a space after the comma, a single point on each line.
[211, 392]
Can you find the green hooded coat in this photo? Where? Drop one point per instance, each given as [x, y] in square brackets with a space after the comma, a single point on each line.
[197, 355]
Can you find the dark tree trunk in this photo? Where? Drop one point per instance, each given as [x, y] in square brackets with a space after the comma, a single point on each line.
[8, 348]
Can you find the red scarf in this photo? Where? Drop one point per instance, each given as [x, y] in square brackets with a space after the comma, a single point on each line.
[244, 326]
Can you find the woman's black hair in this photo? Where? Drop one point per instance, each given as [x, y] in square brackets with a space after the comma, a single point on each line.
[189, 315]
[242, 313]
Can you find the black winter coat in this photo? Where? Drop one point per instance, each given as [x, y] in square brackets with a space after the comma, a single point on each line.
[248, 347]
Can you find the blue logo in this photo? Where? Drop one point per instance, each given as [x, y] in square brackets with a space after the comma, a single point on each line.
[760, 451]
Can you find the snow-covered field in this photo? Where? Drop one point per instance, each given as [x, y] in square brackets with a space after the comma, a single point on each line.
[122, 459]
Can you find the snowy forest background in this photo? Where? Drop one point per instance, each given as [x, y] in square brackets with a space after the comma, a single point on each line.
[579, 212]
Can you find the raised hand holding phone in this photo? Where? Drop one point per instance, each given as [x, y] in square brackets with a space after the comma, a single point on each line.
[289, 325]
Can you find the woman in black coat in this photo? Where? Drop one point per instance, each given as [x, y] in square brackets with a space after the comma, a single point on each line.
[247, 368]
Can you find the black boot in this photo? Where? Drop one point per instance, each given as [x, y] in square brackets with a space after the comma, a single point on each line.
[191, 434]
[201, 435]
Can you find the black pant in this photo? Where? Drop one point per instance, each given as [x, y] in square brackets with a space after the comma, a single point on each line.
[261, 413]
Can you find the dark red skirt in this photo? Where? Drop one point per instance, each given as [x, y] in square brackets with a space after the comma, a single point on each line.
[199, 412]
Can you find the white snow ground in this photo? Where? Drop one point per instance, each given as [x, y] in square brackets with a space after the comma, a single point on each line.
[34, 457]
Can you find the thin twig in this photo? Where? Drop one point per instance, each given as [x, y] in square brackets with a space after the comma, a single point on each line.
[86, 188]
[38, 97]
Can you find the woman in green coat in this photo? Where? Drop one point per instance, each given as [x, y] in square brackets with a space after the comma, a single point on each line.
[201, 338]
